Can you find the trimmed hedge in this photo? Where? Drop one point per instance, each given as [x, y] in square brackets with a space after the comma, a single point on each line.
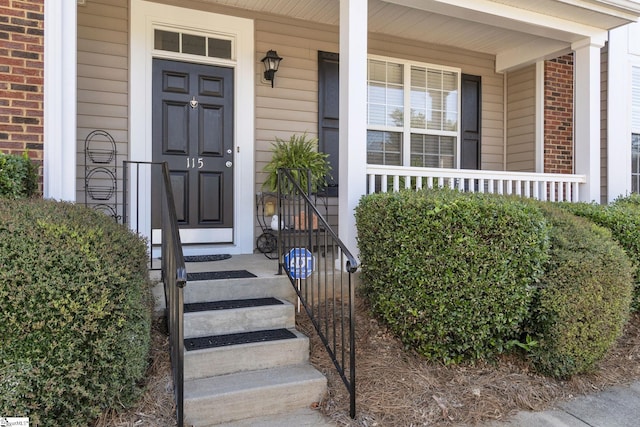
[622, 218]
[18, 176]
[584, 297]
[75, 312]
[451, 273]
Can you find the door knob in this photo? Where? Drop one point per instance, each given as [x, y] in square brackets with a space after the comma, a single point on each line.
[229, 163]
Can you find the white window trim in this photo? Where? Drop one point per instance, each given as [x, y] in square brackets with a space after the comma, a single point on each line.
[406, 129]
[147, 16]
[636, 65]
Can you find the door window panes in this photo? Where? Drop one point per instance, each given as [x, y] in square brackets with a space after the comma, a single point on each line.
[166, 40]
[219, 48]
[192, 44]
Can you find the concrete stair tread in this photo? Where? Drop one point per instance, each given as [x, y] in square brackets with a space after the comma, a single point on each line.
[300, 418]
[237, 320]
[261, 287]
[224, 360]
[252, 394]
[250, 380]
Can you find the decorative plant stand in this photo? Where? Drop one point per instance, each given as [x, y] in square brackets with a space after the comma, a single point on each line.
[100, 171]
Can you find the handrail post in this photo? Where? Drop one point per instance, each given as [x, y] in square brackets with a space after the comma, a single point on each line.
[174, 273]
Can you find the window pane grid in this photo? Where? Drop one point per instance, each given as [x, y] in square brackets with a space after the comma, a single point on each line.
[385, 94]
[635, 162]
[384, 148]
[431, 98]
[635, 99]
[434, 99]
[432, 151]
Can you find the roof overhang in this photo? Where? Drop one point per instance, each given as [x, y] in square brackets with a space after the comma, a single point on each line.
[516, 32]
[546, 28]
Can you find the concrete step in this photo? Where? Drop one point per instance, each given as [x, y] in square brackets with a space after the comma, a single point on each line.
[258, 287]
[210, 362]
[252, 394]
[300, 418]
[220, 322]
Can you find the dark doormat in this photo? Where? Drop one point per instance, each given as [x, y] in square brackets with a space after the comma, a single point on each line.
[216, 275]
[235, 339]
[230, 304]
[206, 258]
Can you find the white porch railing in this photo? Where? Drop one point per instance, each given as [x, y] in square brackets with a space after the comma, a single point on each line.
[541, 186]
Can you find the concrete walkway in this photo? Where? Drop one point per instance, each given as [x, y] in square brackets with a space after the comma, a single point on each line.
[614, 407]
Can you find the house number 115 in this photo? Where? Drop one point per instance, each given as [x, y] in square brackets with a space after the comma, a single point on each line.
[193, 163]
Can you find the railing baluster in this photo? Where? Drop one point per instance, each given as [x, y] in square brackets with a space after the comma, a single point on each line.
[560, 191]
[326, 303]
[524, 184]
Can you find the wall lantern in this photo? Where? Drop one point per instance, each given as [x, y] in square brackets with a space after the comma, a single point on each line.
[271, 63]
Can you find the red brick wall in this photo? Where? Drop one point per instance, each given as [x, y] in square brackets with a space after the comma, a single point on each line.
[558, 115]
[22, 77]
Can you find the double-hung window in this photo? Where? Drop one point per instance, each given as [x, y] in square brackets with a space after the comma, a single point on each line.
[635, 129]
[413, 112]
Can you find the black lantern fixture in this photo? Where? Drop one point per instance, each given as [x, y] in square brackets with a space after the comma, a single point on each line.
[271, 63]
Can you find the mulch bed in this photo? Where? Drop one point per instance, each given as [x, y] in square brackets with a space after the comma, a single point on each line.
[400, 388]
[396, 387]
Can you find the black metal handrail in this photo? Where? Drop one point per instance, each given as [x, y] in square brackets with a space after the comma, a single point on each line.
[320, 268]
[174, 272]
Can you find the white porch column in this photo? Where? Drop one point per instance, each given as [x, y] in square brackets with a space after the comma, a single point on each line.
[587, 115]
[539, 134]
[353, 116]
[59, 171]
[618, 116]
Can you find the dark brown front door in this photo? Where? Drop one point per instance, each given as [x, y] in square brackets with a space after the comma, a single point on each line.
[193, 132]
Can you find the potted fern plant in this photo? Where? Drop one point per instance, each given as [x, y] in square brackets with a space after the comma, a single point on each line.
[298, 154]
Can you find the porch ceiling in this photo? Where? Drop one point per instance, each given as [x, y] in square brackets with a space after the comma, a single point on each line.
[518, 32]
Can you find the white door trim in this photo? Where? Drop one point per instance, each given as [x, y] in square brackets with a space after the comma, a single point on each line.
[145, 16]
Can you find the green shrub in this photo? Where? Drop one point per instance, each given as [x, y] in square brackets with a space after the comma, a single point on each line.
[75, 312]
[622, 218]
[450, 273]
[583, 298]
[18, 176]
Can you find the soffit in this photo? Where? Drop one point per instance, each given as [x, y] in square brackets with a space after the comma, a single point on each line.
[487, 26]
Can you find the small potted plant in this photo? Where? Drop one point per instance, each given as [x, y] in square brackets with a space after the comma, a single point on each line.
[298, 154]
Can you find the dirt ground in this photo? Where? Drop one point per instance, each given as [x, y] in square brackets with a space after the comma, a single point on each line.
[400, 388]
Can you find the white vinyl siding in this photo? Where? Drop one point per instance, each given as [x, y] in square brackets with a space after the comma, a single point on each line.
[103, 69]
